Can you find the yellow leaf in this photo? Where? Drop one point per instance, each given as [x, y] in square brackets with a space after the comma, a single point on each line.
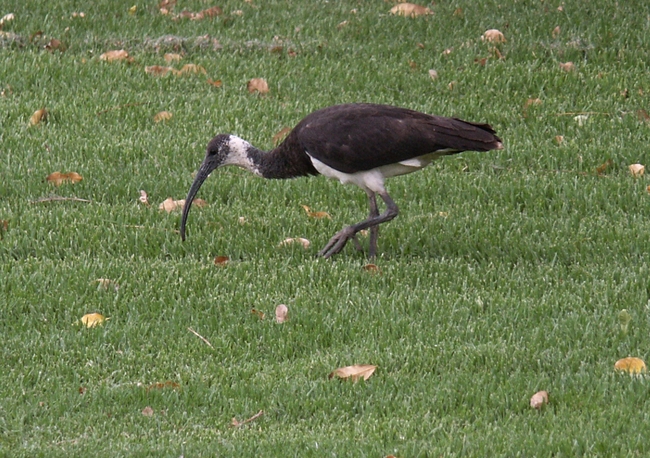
[158, 70]
[133, 9]
[114, 55]
[281, 313]
[410, 10]
[162, 116]
[90, 320]
[539, 399]
[316, 215]
[58, 178]
[258, 85]
[631, 365]
[493, 36]
[354, 372]
[38, 116]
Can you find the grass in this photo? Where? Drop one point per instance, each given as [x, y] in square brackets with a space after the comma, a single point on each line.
[503, 275]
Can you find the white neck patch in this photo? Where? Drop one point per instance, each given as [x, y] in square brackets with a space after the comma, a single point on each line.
[239, 154]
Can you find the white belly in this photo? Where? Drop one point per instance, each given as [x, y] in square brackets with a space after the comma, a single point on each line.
[373, 179]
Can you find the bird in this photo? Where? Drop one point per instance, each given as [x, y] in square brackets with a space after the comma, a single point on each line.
[356, 143]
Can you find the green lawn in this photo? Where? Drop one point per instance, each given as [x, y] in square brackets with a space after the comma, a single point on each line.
[504, 273]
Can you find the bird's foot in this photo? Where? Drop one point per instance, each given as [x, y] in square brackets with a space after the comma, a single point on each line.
[338, 241]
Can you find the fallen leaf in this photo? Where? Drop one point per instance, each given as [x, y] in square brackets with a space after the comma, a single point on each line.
[90, 320]
[104, 283]
[493, 36]
[452, 85]
[560, 8]
[221, 260]
[147, 411]
[603, 167]
[210, 12]
[133, 9]
[410, 10]
[215, 83]
[443, 214]
[237, 423]
[169, 205]
[631, 365]
[55, 45]
[4, 225]
[115, 55]
[38, 116]
[172, 57]
[647, 189]
[166, 5]
[556, 32]
[637, 170]
[559, 139]
[316, 215]
[191, 69]
[625, 93]
[539, 400]
[371, 268]
[481, 62]
[342, 24]
[433, 74]
[281, 313]
[7, 18]
[567, 66]
[58, 178]
[143, 197]
[458, 12]
[277, 138]
[163, 385]
[162, 116]
[529, 103]
[643, 115]
[258, 84]
[159, 70]
[82, 390]
[291, 240]
[447, 51]
[259, 314]
[354, 372]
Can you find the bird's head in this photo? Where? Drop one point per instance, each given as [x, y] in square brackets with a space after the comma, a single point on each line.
[217, 154]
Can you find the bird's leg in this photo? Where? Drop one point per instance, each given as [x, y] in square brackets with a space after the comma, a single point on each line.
[374, 230]
[338, 241]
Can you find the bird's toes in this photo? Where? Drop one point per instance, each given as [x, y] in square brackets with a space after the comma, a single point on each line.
[338, 241]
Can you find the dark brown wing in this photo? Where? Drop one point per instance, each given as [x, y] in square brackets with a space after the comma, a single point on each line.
[356, 137]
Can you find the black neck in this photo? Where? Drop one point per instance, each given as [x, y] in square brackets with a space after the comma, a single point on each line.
[288, 160]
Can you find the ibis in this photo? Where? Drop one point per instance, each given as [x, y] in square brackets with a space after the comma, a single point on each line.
[360, 144]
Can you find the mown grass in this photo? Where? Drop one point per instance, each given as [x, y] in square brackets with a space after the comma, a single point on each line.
[504, 273]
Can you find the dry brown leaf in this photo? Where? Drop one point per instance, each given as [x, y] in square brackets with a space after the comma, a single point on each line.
[277, 138]
[169, 205]
[215, 83]
[637, 170]
[105, 283]
[114, 55]
[166, 5]
[281, 313]
[55, 45]
[556, 32]
[539, 400]
[147, 412]
[354, 372]
[559, 139]
[221, 260]
[237, 423]
[257, 85]
[291, 240]
[481, 61]
[191, 69]
[210, 12]
[316, 215]
[90, 320]
[603, 167]
[643, 115]
[631, 365]
[143, 197]
[172, 57]
[567, 66]
[529, 103]
[433, 74]
[259, 314]
[560, 8]
[410, 10]
[372, 268]
[458, 12]
[159, 70]
[342, 24]
[452, 85]
[4, 225]
[162, 116]
[6, 18]
[647, 189]
[38, 116]
[58, 178]
[199, 203]
[493, 36]
[163, 385]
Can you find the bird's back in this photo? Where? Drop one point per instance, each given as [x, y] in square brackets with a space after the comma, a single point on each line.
[357, 137]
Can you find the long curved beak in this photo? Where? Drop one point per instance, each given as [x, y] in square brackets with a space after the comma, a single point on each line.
[204, 172]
